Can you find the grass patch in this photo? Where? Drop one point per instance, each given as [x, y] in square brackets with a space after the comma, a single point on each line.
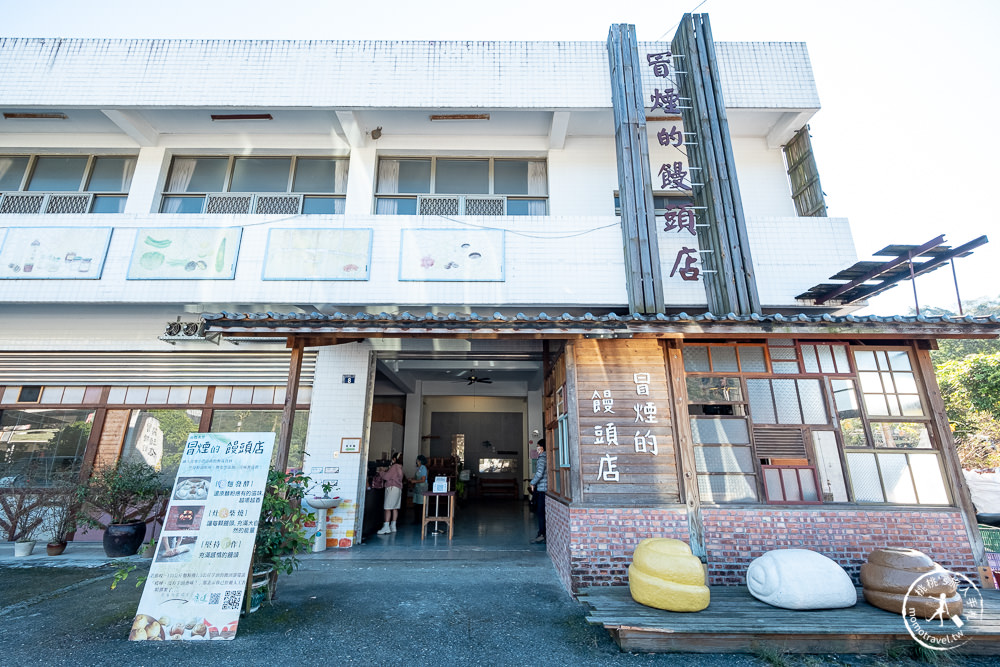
[770, 654]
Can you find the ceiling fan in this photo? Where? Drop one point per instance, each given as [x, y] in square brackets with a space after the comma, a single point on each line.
[473, 378]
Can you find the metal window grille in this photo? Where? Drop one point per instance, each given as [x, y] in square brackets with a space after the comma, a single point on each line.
[60, 203]
[220, 203]
[21, 203]
[437, 205]
[485, 205]
[278, 204]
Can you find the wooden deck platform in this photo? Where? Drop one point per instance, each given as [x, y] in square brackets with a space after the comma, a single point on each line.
[736, 622]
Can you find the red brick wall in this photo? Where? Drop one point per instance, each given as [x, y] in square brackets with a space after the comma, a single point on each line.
[593, 546]
[734, 537]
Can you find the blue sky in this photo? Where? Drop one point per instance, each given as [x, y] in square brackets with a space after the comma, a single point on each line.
[905, 142]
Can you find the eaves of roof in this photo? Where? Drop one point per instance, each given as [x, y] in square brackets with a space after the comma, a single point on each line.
[610, 325]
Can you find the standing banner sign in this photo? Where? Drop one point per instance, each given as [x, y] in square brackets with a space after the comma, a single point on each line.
[196, 583]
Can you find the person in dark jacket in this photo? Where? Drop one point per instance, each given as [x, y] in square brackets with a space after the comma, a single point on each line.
[539, 485]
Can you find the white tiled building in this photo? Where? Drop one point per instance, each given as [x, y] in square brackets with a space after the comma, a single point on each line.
[318, 158]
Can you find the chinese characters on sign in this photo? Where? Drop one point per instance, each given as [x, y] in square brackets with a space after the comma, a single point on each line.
[644, 441]
[198, 577]
[673, 176]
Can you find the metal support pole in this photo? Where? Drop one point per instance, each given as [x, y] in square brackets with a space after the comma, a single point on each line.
[954, 277]
[913, 279]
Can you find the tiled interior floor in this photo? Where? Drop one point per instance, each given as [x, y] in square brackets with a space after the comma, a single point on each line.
[483, 528]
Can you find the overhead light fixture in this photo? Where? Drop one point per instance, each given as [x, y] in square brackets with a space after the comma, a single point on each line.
[242, 116]
[461, 116]
[376, 133]
[32, 115]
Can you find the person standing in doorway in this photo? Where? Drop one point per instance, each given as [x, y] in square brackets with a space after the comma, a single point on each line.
[539, 485]
[393, 481]
[419, 488]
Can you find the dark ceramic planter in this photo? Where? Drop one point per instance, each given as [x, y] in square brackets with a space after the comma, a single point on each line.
[55, 548]
[123, 539]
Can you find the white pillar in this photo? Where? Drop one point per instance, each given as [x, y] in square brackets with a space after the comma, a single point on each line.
[150, 173]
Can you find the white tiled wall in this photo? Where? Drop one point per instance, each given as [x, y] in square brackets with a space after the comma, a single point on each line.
[261, 73]
[338, 411]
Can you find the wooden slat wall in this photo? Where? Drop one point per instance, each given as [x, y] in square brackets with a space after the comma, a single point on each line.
[610, 365]
[732, 288]
[642, 255]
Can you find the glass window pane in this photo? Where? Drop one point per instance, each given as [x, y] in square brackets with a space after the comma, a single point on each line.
[926, 469]
[871, 383]
[772, 480]
[809, 362]
[813, 406]
[719, 431]
[58, 174]
[875, 405]
[785, 367]
[783, 353]
[108, 204]
[11, 172]
[111, 174]
[896, 478]
[865, 360]
[899, 360]
[323, 205]
[182, 204]
[526, 207]
[910, 405]
[790, 477]
[724, 359]
[864, 478]
[853, 432]
[831, 473]
[157, 437]
[315, 175]
[887, 383]
[723, 459]
[462, 177]
[825, 359]
[786, 400]
[414, 177]
[43, 447]
[905, 384]
[395, 206]
[807, 484]
[910, 435]
[259, 174]
[696, 358]
[198, 174]
[714, 390]
[845, 398]
[263, 421]
[752, 359]
[510, 177]
[840, 357]
[761, 405]
[727, 488]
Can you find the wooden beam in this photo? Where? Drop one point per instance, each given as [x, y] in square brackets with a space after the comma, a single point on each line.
[683, 443]
[288, 411]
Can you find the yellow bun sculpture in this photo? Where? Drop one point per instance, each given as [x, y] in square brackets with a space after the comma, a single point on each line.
[665, 575]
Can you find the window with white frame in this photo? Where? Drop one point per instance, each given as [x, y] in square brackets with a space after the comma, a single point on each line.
[461, 186]
[268, 185]
[65, 183]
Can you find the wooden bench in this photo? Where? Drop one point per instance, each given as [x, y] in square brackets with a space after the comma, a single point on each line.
[501, 487]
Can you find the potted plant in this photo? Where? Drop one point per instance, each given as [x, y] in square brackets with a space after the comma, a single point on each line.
[60, 517]
[120, 499]
[281, 534]
[21, 513]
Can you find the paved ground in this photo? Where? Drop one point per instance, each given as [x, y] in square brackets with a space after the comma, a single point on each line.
[371, 605]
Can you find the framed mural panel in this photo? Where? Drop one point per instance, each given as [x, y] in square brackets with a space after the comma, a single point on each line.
[317, 254]
[41, 253]
[185, 253]
[452, 255]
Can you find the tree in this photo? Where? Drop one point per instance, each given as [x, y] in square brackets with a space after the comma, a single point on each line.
[953, 349]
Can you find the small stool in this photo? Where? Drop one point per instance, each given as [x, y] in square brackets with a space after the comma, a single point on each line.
[437, 512]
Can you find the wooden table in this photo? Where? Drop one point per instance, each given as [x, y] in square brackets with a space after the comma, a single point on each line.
[437, 512]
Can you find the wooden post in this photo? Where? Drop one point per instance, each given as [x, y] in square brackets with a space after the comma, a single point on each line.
[288, 412]
[952, 464]
[685, 447]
